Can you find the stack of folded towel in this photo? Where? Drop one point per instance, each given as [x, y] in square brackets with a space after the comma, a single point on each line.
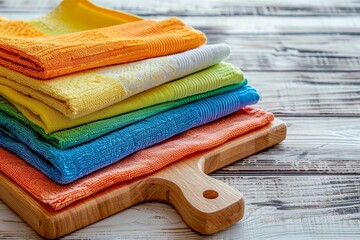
[87, 104]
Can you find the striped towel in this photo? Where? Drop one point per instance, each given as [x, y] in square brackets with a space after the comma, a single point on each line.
[138, 164]
[85, 92]
[65, 166]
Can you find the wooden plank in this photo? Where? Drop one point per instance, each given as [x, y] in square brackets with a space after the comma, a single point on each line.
[309, 53]
[280, 25]
[278, 207]
[319, 145]
[308, 93]
[206, 205]
[235, 7]
[275, 25]
[208, 8]
[240, 25]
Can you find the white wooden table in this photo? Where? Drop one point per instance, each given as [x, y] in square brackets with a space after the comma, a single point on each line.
[304, 58]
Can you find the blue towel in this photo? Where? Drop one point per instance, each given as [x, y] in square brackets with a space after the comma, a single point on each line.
[65, 166]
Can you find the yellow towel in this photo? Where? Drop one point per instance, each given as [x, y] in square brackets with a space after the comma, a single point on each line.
[85, 92]
[50, 120]
[70, 16]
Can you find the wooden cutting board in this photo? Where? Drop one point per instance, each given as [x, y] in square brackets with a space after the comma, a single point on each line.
[206, 205]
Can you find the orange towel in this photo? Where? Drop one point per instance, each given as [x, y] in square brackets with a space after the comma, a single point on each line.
[141, 163]
[51, 56]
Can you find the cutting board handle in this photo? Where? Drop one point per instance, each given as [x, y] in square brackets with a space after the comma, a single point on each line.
[207, 205]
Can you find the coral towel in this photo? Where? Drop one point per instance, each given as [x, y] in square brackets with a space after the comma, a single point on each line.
[138, 164]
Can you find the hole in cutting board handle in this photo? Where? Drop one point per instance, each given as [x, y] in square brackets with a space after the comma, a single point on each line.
[210, 194]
